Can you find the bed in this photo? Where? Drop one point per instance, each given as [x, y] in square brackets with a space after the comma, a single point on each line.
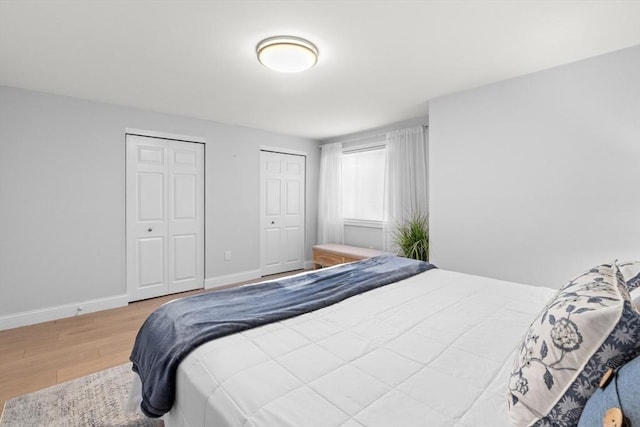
[435, 349]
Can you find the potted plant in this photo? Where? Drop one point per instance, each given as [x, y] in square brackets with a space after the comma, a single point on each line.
[412, 238]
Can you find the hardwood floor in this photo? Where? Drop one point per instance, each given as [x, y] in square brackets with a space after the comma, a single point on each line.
[38, 356]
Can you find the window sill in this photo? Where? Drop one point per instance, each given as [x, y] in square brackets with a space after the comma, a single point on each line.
[362, 223]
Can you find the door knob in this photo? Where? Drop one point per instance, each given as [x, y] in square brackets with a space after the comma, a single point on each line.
[150, 230]
[273, 222]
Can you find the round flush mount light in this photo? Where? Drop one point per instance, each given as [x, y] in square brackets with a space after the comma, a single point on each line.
[287, 54]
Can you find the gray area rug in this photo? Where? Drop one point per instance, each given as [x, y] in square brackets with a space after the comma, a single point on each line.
[97, 400]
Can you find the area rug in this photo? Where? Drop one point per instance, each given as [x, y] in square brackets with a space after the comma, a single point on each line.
[97, 400]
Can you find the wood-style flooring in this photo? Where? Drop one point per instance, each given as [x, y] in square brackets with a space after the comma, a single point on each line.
[38, 356]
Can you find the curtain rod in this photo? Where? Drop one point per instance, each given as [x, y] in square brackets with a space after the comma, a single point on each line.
[365, 136]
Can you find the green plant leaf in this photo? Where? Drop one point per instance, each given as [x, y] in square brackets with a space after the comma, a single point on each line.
[412, 238]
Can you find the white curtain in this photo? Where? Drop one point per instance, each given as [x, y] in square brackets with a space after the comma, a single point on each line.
[330, 224]
[406, 191]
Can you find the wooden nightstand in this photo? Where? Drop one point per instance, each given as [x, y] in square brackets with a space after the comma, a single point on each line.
[332, 254]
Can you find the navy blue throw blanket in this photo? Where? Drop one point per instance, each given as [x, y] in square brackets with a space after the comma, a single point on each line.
[175, 329]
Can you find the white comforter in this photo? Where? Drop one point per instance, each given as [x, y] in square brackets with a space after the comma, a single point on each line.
[432, 350]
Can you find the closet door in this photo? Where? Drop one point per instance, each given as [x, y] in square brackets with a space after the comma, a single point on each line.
[165, 216]
[186, 216]
[282, 214]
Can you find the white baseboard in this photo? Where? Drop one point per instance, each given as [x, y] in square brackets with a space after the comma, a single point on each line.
[216, 282]
[47, 314]
[31, 317]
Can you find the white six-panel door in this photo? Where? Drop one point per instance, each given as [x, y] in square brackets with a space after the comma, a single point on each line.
[282, 199]
[165, 216]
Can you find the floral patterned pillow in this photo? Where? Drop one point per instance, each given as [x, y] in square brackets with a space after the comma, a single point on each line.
[587, 327]
[631, 273]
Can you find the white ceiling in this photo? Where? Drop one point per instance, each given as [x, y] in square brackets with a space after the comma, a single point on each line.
[380, 61]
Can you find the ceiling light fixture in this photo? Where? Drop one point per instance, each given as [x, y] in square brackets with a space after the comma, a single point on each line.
[287, 54]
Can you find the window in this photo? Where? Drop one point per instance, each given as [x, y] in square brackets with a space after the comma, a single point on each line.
[363, 184]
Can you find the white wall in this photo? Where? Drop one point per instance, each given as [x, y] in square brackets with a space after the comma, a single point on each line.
[537, 178]
[62, 213]
[363, 236]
